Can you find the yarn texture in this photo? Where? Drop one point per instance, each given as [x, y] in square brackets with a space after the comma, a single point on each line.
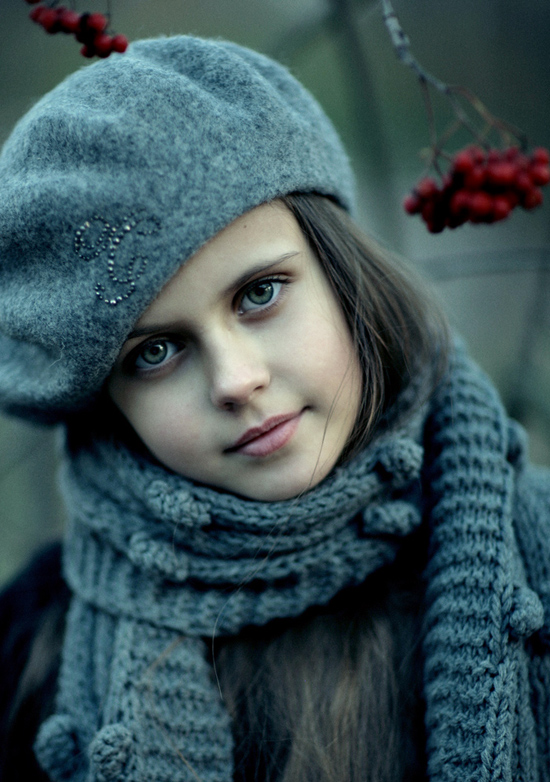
[159, 565]
[116, 177]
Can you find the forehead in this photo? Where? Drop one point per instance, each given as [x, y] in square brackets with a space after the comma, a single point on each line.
[258, 240]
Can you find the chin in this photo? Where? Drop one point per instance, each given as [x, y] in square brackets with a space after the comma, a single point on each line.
[266, 490]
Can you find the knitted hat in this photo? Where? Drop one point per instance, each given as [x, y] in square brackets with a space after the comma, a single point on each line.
[119, 175]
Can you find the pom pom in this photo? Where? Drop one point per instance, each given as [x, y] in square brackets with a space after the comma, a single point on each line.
[527, 614]
[158, 556]
[110, 753]
[400, 462]
[57, 747]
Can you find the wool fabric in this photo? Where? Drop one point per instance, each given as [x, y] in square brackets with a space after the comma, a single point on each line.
[159, 565]
[117, 177]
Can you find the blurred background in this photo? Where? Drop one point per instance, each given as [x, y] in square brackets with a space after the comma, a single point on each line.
[493, 280]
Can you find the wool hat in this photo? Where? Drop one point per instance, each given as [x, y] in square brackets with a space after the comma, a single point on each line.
[116, 177]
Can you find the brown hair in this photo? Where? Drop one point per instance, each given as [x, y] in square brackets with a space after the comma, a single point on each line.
[334, 695]
[399, 331]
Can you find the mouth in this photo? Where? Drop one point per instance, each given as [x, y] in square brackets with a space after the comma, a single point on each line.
[269, 437]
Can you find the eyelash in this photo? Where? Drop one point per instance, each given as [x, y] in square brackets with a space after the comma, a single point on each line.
[130, 362]
[274, 302]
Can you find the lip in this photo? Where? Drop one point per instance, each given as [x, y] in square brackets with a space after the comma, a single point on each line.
[270, 436]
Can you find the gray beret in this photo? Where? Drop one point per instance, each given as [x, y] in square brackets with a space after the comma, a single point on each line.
[119, 175]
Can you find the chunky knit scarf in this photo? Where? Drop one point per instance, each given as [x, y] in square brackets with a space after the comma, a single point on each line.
[159, 566]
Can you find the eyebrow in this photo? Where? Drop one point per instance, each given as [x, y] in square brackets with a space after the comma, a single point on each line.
[231, 288]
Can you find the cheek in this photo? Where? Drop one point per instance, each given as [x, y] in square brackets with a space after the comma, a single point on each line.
[326, 353]
[170, 428]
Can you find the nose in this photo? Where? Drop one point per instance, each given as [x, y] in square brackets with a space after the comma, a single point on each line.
[238, 371]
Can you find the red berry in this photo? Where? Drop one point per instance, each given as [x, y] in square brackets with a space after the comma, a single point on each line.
[501, 173]
[36, 13]
[412, 204]
[103, 45]
[454, 221]
[523, 182]
[463, 162]
[475, 178]
[511, 153]
[501, 208]
[435, 226]
[532, 198]
[477, 153]
[88, 50]
[540, 174]
[96, 22]
[120, 43]
[541, 155]
[426, 188]
[481, 206]
[428, 210]
[49, 20]
[522, 162]
[69, 21]
[459, 203]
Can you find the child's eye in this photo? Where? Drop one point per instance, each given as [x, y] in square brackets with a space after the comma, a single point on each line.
[261, 294]
[154, 354]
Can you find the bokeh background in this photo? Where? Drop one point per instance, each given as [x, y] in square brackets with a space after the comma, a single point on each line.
[493, 280]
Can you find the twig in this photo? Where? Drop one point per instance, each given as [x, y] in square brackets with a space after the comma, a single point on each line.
[402, 46]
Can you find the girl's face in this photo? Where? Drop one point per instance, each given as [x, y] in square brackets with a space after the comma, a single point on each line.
[242, 373]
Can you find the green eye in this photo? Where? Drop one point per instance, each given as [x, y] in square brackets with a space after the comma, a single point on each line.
[154, 353]
[260, 294]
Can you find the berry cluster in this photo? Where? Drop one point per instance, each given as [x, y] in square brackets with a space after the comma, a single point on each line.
[481, 187]
[89, 29]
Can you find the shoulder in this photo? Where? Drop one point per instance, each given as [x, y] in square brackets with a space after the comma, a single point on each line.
[32, 617]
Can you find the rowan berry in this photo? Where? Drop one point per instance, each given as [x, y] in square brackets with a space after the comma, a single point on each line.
[501, 173]
[481, 187]
[540, 174]
[511, 153]
[481, 206]
[49, 20]
[96, 22]
[501, 208]
[475, 178]
[522, 182]
[119, 43]
[463, 162]
[69, 20]
[541, 155]
[532, 198]
[36, 13]
[412, 204]
[103, 45]
[426, 188]
[88, 50]
[477, 153]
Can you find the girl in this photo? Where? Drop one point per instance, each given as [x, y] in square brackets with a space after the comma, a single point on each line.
[303, 541]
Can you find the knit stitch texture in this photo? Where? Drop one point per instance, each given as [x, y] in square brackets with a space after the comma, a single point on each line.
[159, 565]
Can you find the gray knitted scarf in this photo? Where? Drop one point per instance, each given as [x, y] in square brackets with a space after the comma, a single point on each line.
[160, 566]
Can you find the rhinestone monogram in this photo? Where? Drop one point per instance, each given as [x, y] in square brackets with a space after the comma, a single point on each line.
[100, 238]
